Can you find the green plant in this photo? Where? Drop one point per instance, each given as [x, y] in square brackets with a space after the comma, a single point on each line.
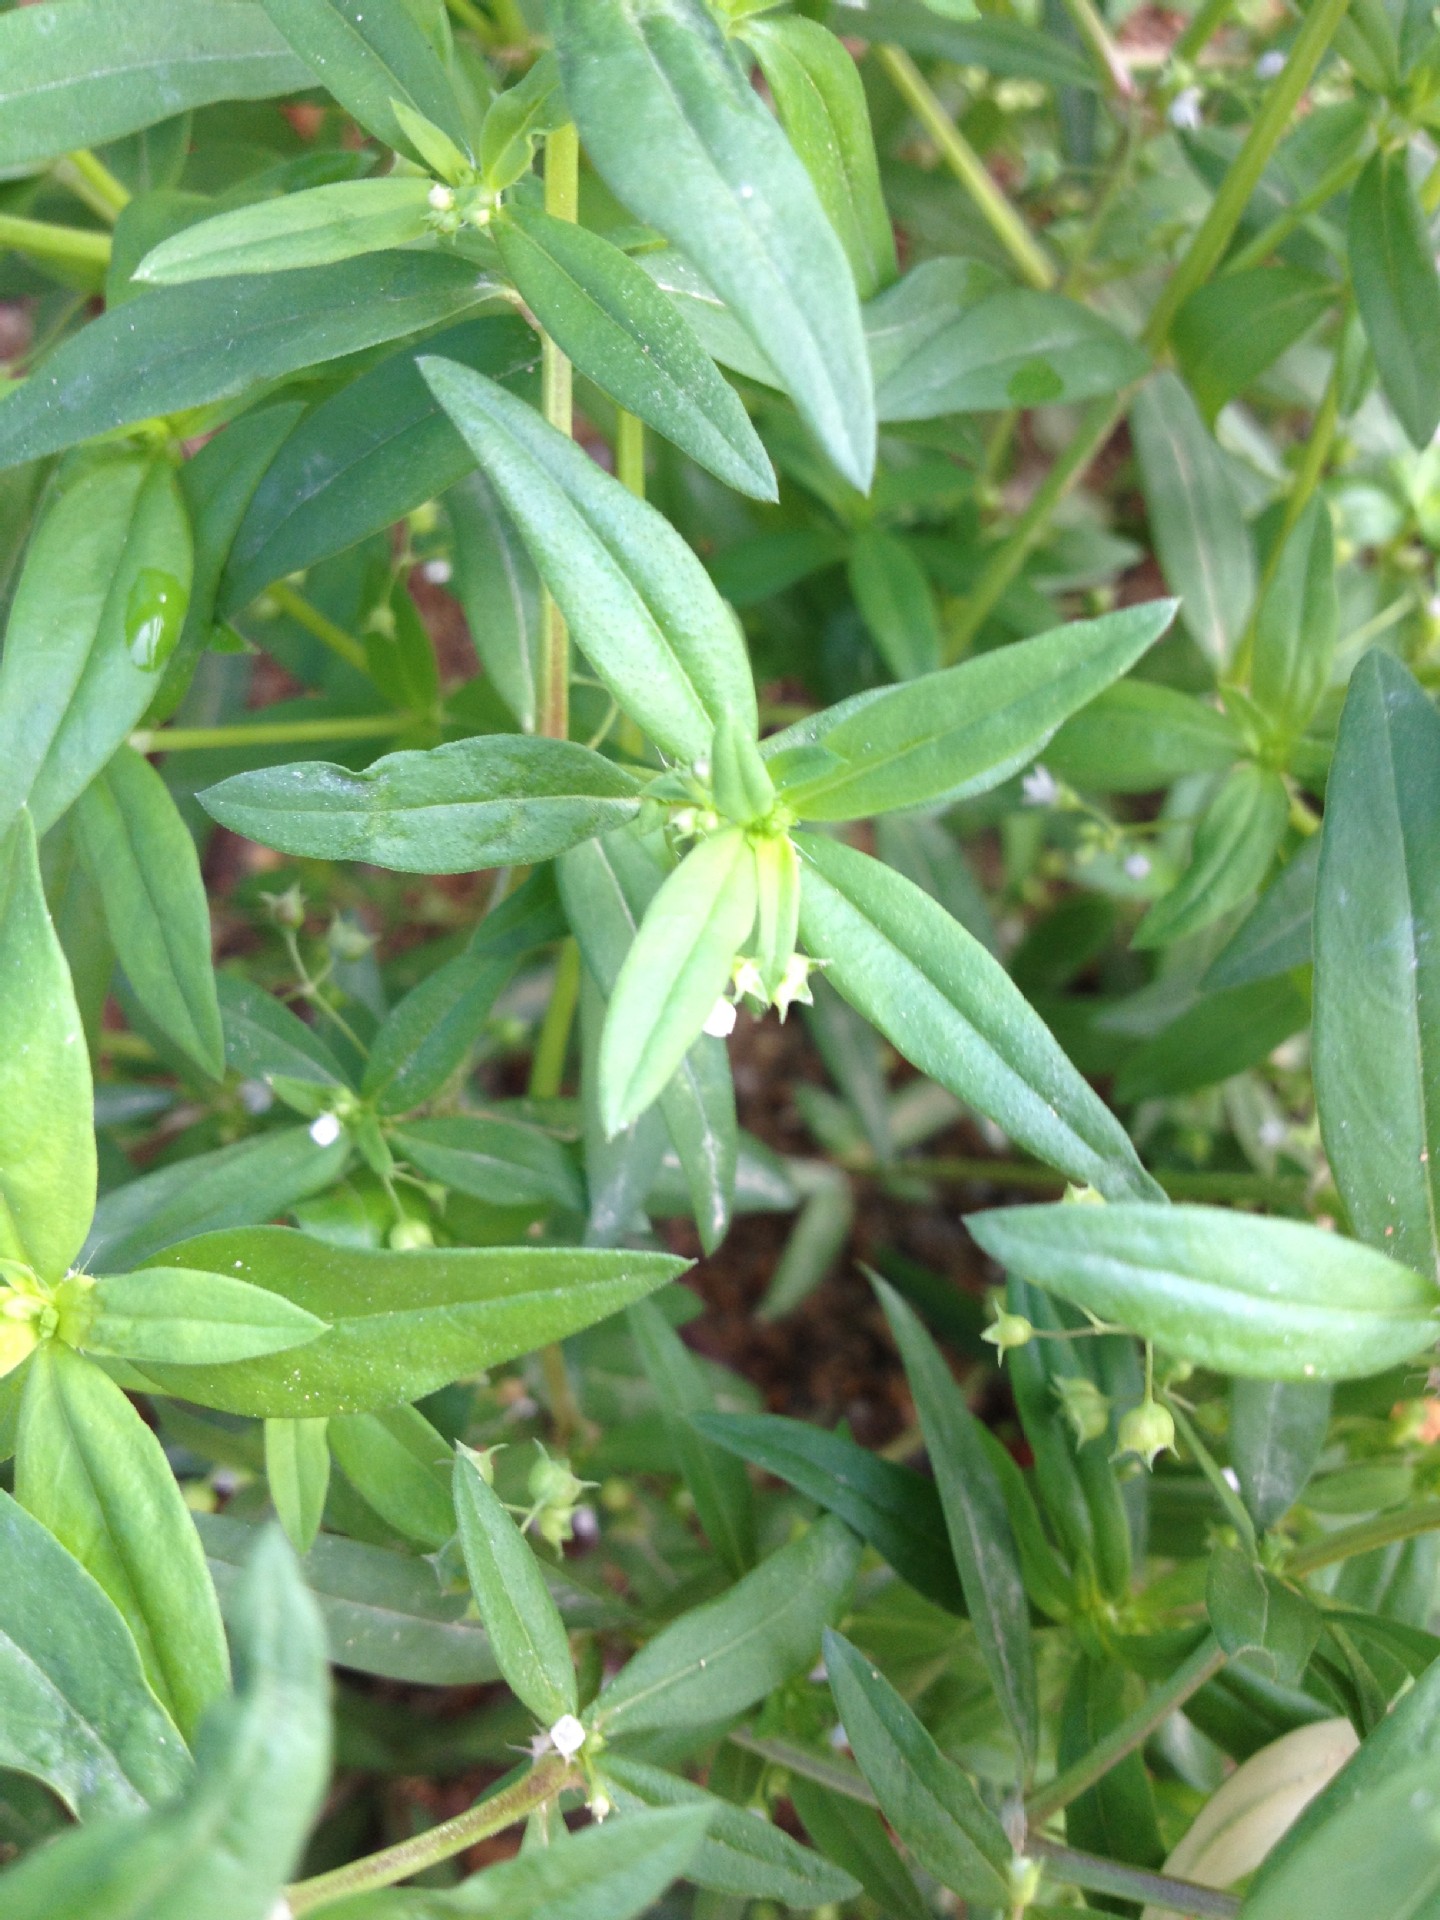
[840, 678]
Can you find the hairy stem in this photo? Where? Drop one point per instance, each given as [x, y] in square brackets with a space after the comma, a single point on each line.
[503, 1809]
[969, 169]
[562, 199]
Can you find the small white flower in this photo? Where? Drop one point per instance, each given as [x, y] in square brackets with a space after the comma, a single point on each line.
[1270, 64]
[1137, 865]
[1040, 787]
[437, 572]
[1185, 110]
[441, 198]
[567, 1736]
[255, 1097]
[746, 977]
[1273, 1131]
[721, 1023]
[325, 1129]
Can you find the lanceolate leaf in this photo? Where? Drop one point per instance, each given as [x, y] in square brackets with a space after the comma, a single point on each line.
[977, 1523]
[229, 1845]
[143, 862]
[680, 136]
[926, 1798]
[1377, 964]
[401, 1325]
[1277, 1428]
[485, 802]
[308, 229]
[84, 72]
[521, 1619]
[1397, 290]
[91, 1470]
[47, 1142]
[189, 1319]
[637, 600]
[504, 1162]
[183, 347]
[951, 1009]
[370, 57]
[75, 1708]
[1235, 841]
[1265, 1299]
[617, 326]
[719, 1659]
[1234, 327]
[96, 616]
[1277, 934]
[948, 735]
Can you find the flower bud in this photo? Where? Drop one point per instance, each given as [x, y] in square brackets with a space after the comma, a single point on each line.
[287, 909]
[1147, 1430]
[552, 1484]
[408, 1235]
[1009, 1330]
[1085, 1407]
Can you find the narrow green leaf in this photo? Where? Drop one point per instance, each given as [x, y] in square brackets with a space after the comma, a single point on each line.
[251, 1181]
[1196, 521]
[715, 1477]
[977, 1523]
[747, 1858]
[855, 1839]
[1256, 1615]
[188, 1318]
[896, 603]
[1265, 1299]
[89, 1468]
[939, 997]
[1137, 736]
[675, 973]
[929, 1802]
[84, 73]
[946, 736]
[75, 1709]
[96, 615]
[1297, 625]
[1277, 1428]
[1377, 951]
[682, 139]
[1221, 1035]
[47, 1142]
[297, 1472]
[1016, 348]
[516, 119]
[1000, 45]
[1116, 1817]
[637, 600]
[184, 347]
[264, 1040]
[497, 584]
[229, 1845]
[1235, 840]
[1392, 265]
[364, 458]
[307, 229]
[523, 1623]
[369, 57]
[142, 859]
[503, 1162]
[820, 96]
[892, 1508]
[400, 1466]
[492, 801]
[401, 1325]
[1277, 934]
[1230, 330]
[720, 1658]
[615, 324]
[902, 322]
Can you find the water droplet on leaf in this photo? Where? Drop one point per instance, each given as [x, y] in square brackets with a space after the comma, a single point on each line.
[154, 615]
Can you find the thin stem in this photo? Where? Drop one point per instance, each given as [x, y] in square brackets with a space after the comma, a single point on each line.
[300, 610]
[1235, 1189]
[1203, 28]
[90, 180]
[1106, 57]
[1284, 224]
[1134, 1883]
[1099, 422]
[279, 733]
[1382, 1531]
[67, 246]
[514, 1803]
[557, 394]
[630, 453]
[1231, 1503]
[469, 15]
[1188, 1678]
[969, 169]
[547, 1067]
[1217, 229]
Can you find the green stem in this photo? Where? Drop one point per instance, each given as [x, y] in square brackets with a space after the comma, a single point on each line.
[630, 453]
[1134, 1883]
[1241, 1189]
[1203, 28]
[90, 180]
[969, 169]
[278, 733]
[1115, 77]
[514, 1803]
[547, 1067]
[562, 202]
[1346, 1542]
[1217, 229]
[67, 246]
[1188, 1678]
[299, 609]
[469, 15]
[1230, 1502]
[1284, 224]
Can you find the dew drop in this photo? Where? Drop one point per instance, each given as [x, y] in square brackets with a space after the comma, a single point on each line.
[154, 615]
